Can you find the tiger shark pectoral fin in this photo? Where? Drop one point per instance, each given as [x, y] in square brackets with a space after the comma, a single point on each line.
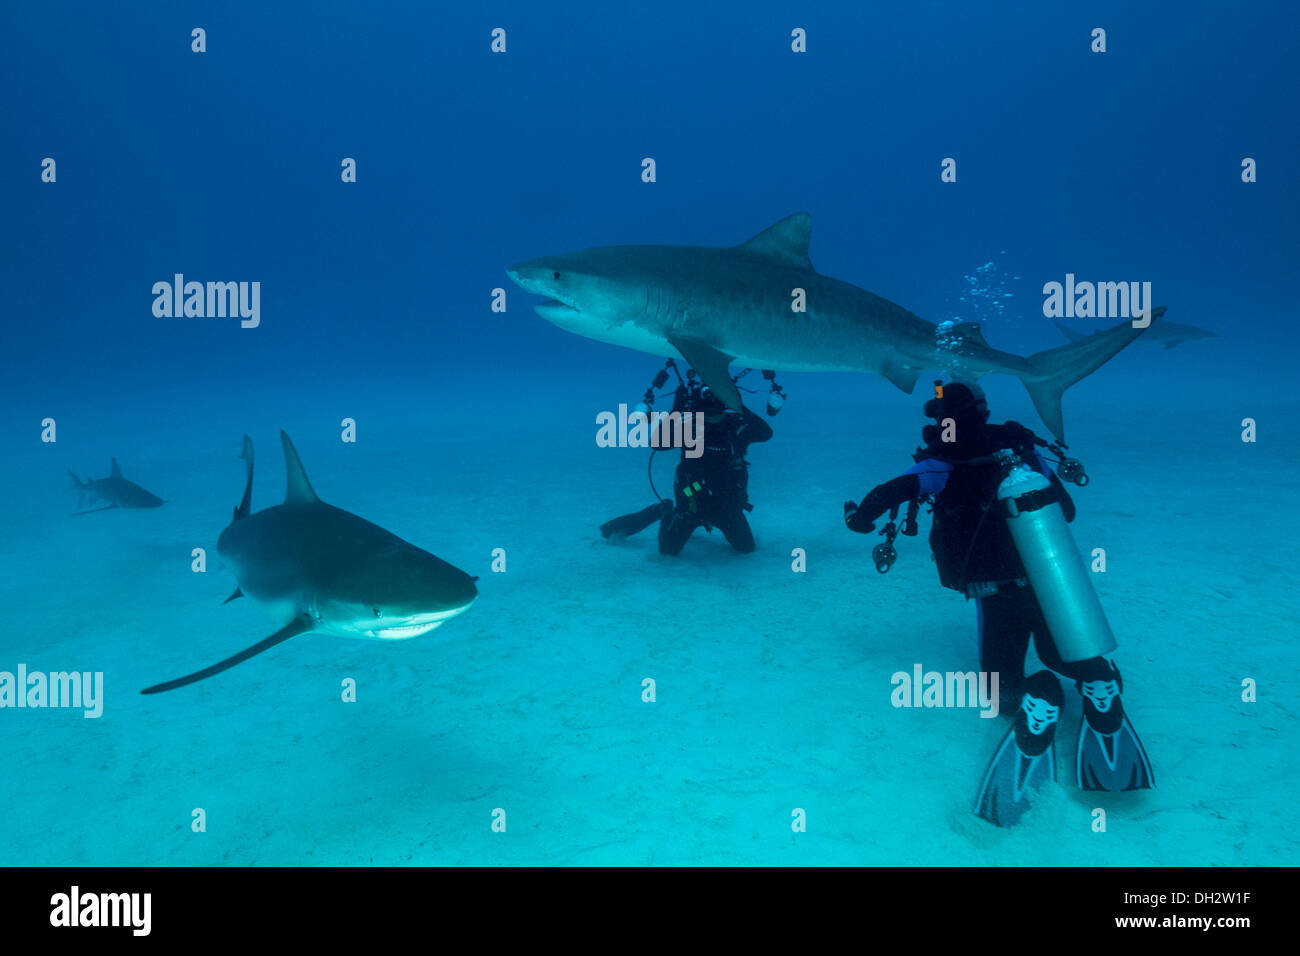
[298, 625]
[901, 376]
[712, 366]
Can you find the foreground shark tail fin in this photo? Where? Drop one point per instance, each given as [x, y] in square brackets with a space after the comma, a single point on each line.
[298, 490]
[292, 629]
[1051, 372]
[246, 504]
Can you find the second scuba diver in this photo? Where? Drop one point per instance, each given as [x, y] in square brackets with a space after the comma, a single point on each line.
[710, 490]
[999, 536]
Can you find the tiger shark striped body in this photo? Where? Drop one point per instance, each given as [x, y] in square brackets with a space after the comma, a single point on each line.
[718, 307]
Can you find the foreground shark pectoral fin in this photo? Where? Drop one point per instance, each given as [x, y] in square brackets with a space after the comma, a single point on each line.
[238, 594]
[295, 627]
[712, 366]
[94, 510]
[246, 505]
[1051, 372]
[298, 490]
[786, 242]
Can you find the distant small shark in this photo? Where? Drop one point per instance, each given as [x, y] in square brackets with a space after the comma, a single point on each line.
[1163, 333]
[733, 305]
[320, 568]
[116, 490]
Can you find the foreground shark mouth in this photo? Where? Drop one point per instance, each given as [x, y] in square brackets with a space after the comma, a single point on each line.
[406, 630]
[427, 623]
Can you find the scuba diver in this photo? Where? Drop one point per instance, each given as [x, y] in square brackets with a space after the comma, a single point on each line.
[999, 536]
[712, 489]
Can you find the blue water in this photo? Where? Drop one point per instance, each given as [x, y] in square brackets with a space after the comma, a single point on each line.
[475, 427]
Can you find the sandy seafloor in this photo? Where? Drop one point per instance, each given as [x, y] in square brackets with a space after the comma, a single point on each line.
[773, 687]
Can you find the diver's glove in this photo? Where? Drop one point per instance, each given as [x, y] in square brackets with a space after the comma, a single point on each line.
[892, 493]
[853, 522]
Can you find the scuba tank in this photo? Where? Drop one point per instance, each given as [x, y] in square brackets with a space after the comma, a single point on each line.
[1053, 564]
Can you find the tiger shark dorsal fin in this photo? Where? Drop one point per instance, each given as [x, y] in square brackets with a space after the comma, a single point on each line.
[786, 242]
[117, 472]
[298, 490]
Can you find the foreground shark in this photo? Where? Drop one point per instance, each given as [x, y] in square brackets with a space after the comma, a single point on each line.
[320, 568]
[1167, 334]
[722, 306]
[116, 490]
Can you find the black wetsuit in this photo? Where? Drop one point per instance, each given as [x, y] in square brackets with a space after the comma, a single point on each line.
[973, 549]
[712, 490]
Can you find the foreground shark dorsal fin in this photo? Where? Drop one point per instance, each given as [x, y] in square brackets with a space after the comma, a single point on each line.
[786, 242]
[712, 366]
[298, 490]
[117, 472]
[298, 625]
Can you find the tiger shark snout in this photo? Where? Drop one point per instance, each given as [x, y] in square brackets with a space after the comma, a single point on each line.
[547, 278]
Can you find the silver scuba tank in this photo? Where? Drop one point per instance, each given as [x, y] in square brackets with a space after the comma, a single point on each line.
[1055, 569]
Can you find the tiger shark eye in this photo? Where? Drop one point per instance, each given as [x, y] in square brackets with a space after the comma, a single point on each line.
[556, 274]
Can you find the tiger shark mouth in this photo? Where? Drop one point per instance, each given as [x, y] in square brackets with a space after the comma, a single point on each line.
[552, 306]
[553, 310]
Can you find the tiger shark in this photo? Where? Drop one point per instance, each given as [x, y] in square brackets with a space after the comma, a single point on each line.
[723, 306]
[116, 490]
[320, 568]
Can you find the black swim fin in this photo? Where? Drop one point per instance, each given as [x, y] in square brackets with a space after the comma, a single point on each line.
[1110, 755]
[298, 625]
[626, 525]
[1025, 758]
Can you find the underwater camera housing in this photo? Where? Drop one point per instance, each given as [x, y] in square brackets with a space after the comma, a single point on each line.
[775, 396]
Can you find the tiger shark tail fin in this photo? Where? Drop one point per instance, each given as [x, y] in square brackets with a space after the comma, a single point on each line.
[1051, 372]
